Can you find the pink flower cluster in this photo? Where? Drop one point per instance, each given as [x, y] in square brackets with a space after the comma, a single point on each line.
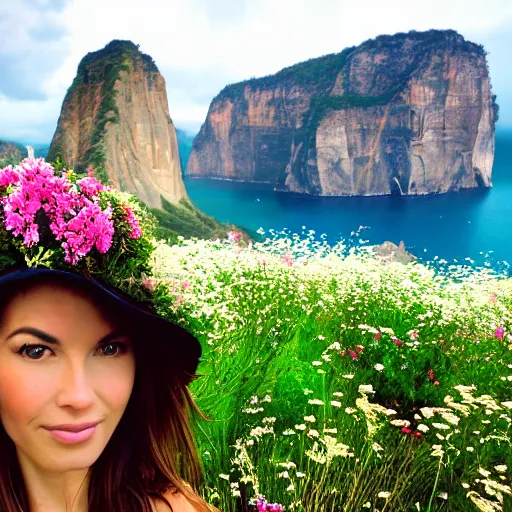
[75, 217]
[263, 506]
[352, 353]
[414, 433]
[235, 236]
[134, 223]
[288, 259]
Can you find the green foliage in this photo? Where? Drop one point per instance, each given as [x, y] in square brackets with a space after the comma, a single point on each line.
[107, 113]
[317, 74]
[320, 105]
[496, 108]
[95, 64]
[443, 39]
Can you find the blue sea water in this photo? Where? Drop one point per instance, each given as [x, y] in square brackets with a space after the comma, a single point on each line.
[474, 224]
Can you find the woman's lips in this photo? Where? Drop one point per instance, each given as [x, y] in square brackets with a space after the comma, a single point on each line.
[68, 437]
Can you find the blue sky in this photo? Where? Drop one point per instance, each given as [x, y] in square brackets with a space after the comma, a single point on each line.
[202, 45]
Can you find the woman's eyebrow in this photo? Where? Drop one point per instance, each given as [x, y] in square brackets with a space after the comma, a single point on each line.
[52, 340]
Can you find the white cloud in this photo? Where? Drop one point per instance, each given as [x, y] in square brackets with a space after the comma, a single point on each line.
[211, 43]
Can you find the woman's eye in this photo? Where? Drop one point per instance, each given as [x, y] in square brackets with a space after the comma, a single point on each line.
[33, 351]
[113, 349]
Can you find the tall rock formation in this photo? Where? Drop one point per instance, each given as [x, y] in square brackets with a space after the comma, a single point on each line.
[404, 114]
[115, 117]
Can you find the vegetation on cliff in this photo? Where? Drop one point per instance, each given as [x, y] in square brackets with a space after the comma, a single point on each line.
[11, 153]
[102, 68]
[337, 382]
[317, 76]
[185, 220]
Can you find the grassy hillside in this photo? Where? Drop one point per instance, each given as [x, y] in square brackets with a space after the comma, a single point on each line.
[336, 382]
[185, 220]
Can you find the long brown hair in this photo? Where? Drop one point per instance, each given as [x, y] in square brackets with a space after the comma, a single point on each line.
[152, 450]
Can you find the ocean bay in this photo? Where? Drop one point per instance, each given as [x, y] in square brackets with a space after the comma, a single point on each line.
[453, 226]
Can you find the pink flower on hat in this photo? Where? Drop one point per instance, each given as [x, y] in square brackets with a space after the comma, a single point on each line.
[134, 223]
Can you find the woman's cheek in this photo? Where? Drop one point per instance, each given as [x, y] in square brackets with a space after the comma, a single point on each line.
[115, 382]
[23, 393]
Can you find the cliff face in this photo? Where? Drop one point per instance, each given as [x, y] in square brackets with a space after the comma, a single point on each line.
[115, 117]
[404, 114]
[11, 153]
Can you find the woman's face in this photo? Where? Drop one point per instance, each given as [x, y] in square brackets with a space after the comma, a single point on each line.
[79, 370]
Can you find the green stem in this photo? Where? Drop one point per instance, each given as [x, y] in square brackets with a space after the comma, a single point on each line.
[435, 485]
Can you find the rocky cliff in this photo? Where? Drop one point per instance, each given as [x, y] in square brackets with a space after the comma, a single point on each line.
[404, 114]
[115, 117]
[11, 153]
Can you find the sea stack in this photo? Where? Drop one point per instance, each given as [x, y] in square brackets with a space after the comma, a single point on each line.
[410, 113]
[115, 117]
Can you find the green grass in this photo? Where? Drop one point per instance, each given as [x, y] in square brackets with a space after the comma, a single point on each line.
[298, 420]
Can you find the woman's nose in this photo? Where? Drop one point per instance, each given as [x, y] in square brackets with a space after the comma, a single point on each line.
[75, 388]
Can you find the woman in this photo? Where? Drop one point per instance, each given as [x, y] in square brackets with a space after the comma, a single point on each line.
[94, 404]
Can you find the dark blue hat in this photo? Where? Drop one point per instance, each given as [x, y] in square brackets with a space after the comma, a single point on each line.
[186, 348]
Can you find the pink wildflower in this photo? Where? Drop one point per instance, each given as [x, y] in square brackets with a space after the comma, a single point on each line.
[499, 333]
[263, 506]
[436, 383]
[492, 297]
[148, 283]
[288, 259]
[185, 285]
[353, 354]
[134, 223]
[343, 353]
[417, 434]
[378, 336]
[397, 342]
[359, 348]
[406, 430]
[431, 375]
[234, 236]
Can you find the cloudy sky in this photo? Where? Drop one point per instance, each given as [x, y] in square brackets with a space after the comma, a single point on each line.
[202, 45]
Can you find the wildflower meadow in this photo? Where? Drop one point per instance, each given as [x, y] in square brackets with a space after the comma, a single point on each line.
[336, 381]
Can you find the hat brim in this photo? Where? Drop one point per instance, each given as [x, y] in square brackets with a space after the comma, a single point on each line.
[187, 348]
